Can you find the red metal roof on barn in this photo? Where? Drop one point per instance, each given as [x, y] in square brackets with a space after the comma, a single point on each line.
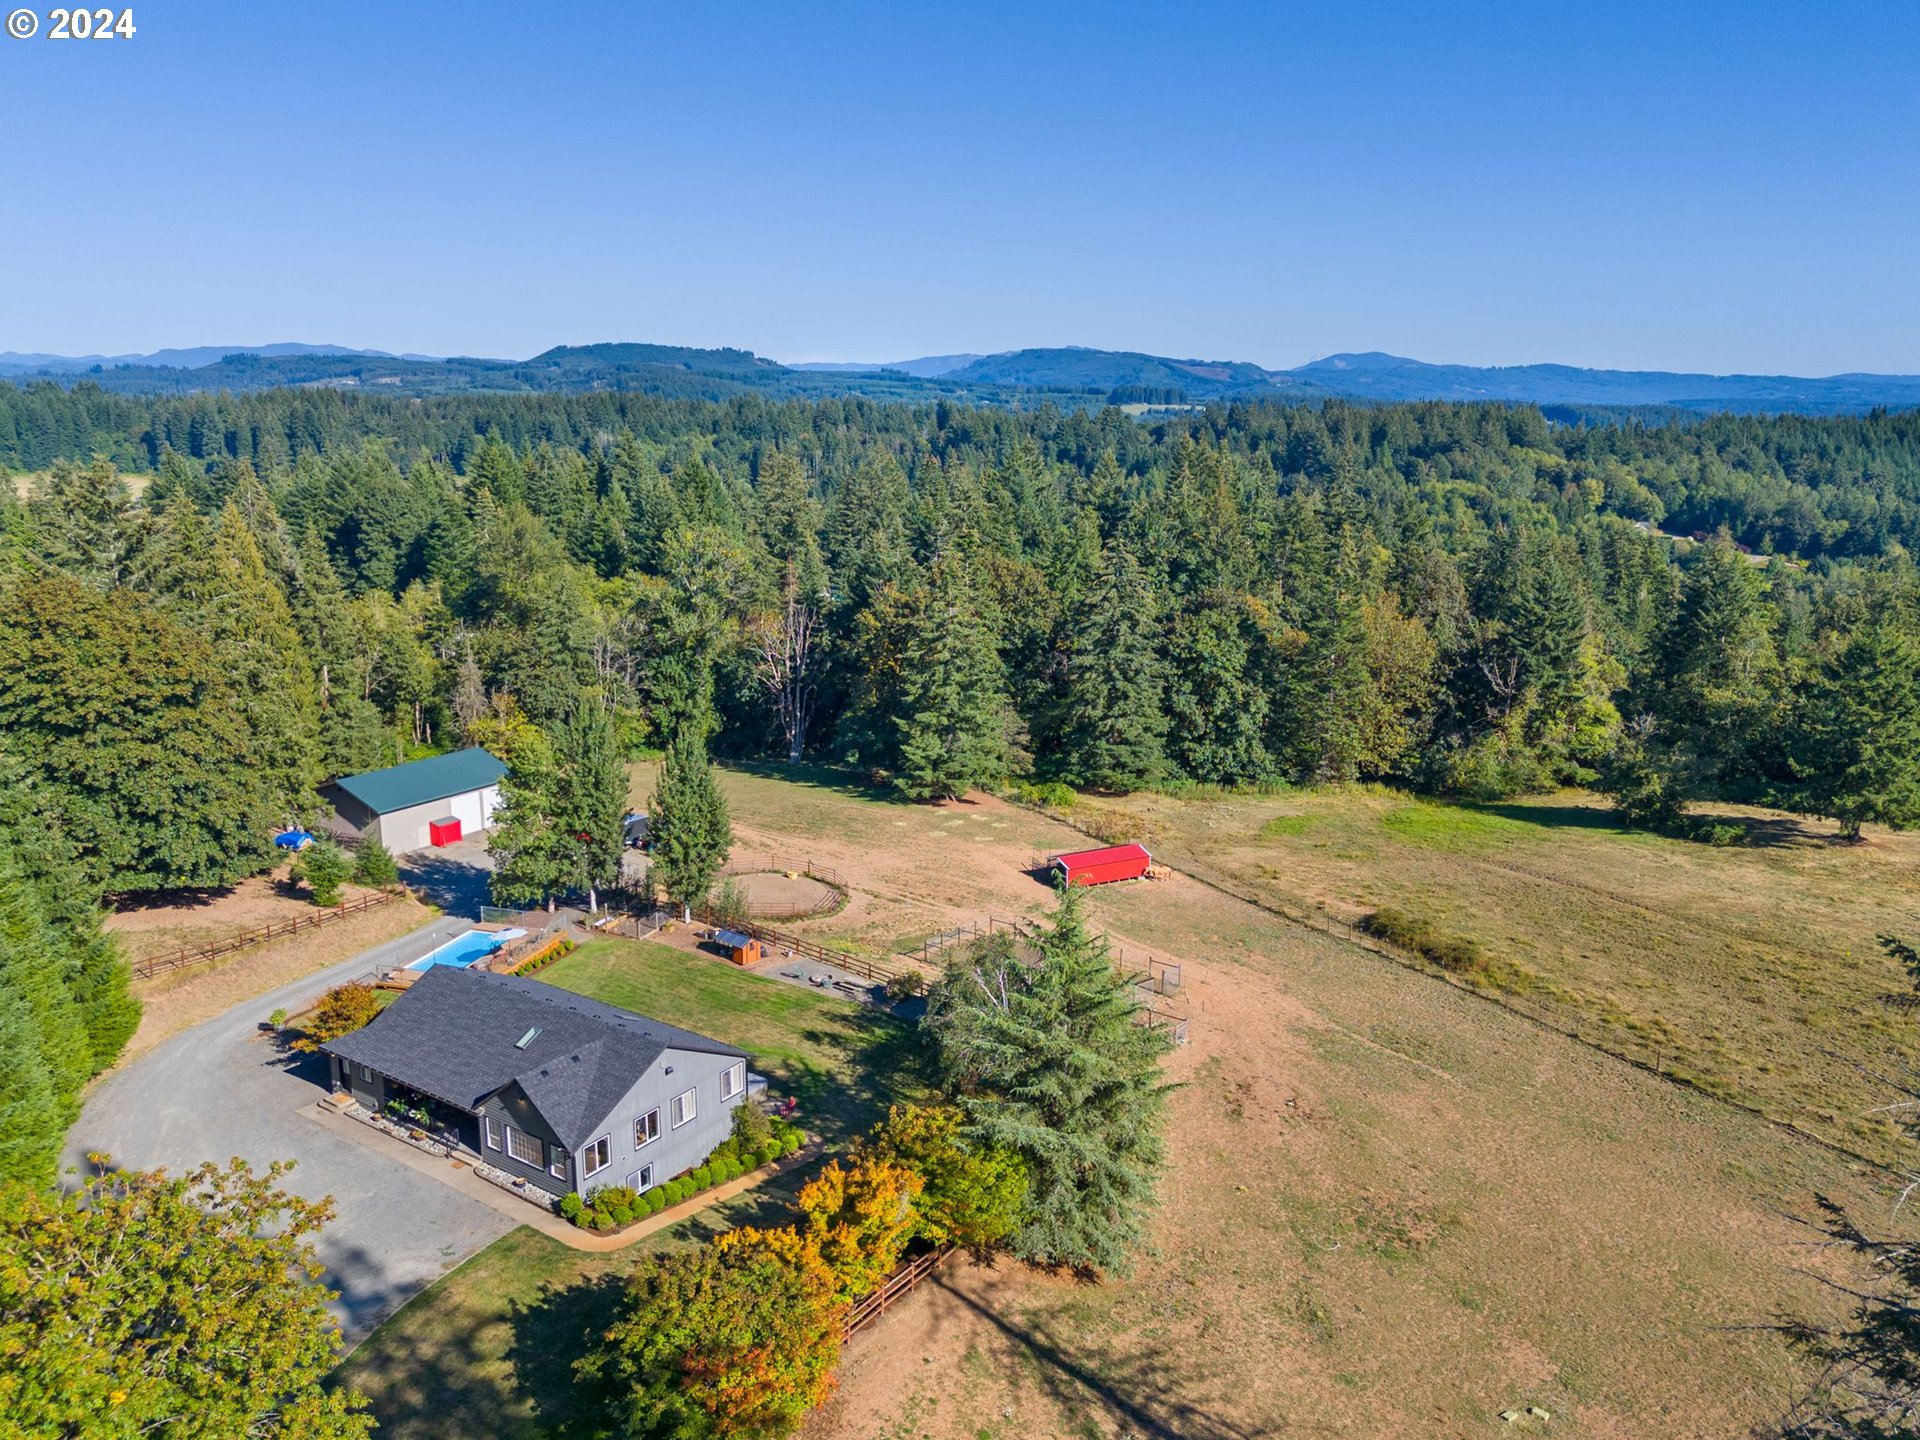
[1080, 859]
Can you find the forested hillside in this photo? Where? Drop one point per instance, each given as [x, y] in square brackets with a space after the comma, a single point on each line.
[1462, 598]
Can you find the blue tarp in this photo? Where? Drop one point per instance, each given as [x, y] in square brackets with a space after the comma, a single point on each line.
[293, 839]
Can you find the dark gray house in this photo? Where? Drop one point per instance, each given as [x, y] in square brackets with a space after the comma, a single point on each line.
[564, 1092]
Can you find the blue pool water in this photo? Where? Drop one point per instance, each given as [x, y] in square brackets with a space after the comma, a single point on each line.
[463, 950]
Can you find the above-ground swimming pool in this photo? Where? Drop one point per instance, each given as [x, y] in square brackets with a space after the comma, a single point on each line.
[463, 950]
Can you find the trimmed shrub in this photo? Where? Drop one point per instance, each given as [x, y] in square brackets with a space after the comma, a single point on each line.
[602, 1221]
[572, 1207]
[623, 1215]
[373, 866]
[792, 1142]
[654, 1201]
[765, 1155]
[702, 1178]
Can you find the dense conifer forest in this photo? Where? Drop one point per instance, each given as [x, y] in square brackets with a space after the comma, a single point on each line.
[210, 604]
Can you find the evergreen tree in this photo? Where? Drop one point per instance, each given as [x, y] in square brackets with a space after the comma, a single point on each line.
[953, 720]
[1216, 707]
[1047, 1059]
[132, 735]
[1114, 727]
[590, 796]
[353, 736]
[44, 1029]
[85, 523]
[533, 858]
[688, 824]
[1856, 743]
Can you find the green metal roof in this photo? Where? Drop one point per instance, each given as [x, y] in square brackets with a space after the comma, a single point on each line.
[419, 781]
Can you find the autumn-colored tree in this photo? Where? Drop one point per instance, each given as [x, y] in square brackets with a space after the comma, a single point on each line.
[152, 1305]
[739, 1338]
[971, 1193]
[860, 1217]
[341, 1011]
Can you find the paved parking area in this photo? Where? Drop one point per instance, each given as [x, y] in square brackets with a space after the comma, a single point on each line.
[222, 1089]
[454, 877]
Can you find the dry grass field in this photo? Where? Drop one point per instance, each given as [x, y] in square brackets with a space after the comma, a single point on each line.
[1394, 1208]
[1753, 971]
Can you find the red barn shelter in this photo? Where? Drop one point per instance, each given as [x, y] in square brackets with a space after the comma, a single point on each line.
[1099, 867]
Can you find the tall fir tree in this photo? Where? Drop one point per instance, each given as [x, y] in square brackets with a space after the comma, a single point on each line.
[590, 799]
[954, 719]
[1048, 1060]
[43, 1027]
[1855, 751]
[1113, 727]
[132, 734]
[533, 858]
[688, 825]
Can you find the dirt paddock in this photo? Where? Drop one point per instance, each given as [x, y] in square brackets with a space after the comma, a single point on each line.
[773, 894]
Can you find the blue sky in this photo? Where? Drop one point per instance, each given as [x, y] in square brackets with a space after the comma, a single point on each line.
[1697, 186]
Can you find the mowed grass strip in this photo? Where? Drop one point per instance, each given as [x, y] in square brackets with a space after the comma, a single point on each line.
[487, 1350]
[1753, 971]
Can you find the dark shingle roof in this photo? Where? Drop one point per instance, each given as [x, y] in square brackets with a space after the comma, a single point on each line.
[453, 1034]
[419, 781]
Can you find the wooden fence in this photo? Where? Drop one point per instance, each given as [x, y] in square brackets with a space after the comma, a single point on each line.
[146, 967]
[752, 863]
[868, 1309]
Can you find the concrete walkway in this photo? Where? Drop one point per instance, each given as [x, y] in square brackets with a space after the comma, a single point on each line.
[223, 1089]
[525, 1212]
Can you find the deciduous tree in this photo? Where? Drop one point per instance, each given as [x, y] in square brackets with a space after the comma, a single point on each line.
[154, 1305]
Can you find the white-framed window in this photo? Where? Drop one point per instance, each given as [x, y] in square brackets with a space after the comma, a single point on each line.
[733, 1080]
[490, 1127]
[682, 1108]
[596, 1157]
[557, 1163]
[646, 1129]
[641, 1179]
[366, 1072]
[524, 1148]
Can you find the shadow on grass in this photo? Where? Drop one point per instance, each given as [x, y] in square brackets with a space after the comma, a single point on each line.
[1547, 817]
[854, 784]
[1756, 831]
[433, 1382]
[884, 1061]
[1145, 1393]
[563, 1323]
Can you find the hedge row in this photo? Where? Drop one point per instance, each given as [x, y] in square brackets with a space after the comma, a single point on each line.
[613, 1207]
[545, 957]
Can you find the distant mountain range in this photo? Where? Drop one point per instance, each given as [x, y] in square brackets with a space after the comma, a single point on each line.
[1069, 376]
[12, 362]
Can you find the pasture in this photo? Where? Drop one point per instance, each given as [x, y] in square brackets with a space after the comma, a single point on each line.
[1393, 1206]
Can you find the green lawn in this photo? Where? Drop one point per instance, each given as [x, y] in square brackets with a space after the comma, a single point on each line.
[488, 1349]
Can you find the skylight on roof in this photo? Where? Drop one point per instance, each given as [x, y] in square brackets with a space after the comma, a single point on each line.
[526, 1039]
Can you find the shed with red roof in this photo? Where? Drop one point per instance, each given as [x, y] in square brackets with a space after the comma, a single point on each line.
[1102, 867]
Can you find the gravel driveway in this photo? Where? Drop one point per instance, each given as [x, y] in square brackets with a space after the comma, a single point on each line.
[221, 1090]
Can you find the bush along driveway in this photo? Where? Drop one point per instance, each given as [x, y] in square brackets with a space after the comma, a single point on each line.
[226, 1088]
